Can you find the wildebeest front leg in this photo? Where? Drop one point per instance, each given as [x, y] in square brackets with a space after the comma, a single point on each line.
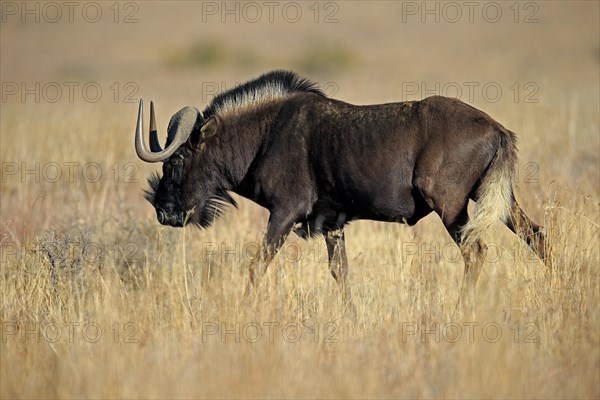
[279, 227]
[338, 261]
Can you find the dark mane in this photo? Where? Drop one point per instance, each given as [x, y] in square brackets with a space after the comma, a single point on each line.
[269, 86]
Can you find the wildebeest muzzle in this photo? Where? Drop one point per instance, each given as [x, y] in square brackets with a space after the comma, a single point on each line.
[170, 218]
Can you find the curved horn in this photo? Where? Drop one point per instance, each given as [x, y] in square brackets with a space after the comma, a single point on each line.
[154, 142]
[180, 137]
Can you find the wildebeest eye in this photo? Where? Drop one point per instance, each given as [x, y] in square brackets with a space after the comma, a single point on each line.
[177, 171]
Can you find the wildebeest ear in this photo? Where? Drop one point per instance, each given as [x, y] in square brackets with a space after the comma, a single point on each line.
[207, 131]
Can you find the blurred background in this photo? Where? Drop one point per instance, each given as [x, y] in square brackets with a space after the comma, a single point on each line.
[77, 71]
[72, 74]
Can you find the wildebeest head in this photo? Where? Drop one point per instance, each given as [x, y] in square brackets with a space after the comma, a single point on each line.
[189, 189]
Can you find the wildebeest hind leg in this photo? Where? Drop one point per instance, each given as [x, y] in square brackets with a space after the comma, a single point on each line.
[454, 219]
[472, 253]
[453, 212]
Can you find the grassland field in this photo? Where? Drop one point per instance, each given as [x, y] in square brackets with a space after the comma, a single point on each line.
[98, 300]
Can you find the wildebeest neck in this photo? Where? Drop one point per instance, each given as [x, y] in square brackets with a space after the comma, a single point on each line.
[240, 140]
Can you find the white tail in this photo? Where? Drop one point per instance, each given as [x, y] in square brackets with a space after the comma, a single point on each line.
[494, 195]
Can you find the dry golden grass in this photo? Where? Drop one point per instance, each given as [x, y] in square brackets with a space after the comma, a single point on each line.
[159, 300]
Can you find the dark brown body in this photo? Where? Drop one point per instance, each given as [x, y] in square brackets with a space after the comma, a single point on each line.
[378, 162]
[317, 163]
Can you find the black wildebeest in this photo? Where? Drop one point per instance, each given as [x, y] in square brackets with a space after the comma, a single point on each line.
[317, 163]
